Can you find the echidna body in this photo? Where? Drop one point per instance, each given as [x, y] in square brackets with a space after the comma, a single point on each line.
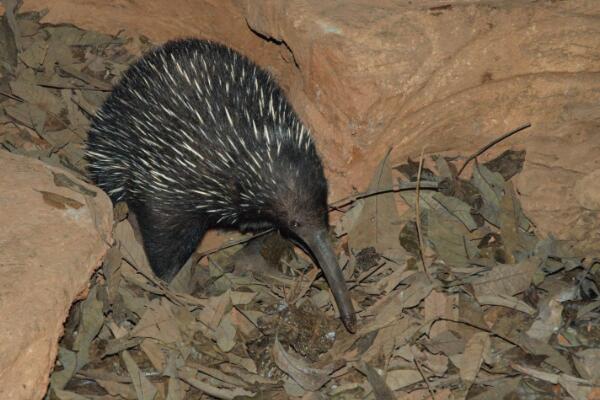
[195, 136]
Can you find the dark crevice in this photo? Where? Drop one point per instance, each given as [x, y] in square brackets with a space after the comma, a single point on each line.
[278, 42]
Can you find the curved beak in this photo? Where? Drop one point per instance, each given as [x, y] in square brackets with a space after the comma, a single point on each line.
[320, 246]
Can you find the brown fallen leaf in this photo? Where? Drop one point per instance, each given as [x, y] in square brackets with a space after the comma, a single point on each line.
[470, 361]
[400, 378]
[507, 279]
[219, 393]
[225, 334]
[158, 322]
[547, 322]
[144, 389]
[118, 389]
[215, 309]
[309, 378]
[587, 363]
[176, 389]
[506, 301]
[378, 225]
[130, 248]
[37, 95]
[154, 352]
[380, 388]
[92, 319]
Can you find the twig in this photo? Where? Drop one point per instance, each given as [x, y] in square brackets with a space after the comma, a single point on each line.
[418, 215]
[395, 188]
[431, 393]
[332, 206]
[490, 144]
[12, 96]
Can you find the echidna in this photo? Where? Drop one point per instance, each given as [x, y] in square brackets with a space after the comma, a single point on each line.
[195, 136]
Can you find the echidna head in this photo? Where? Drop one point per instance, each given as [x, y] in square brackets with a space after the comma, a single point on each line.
[299, 210]
[291, 195]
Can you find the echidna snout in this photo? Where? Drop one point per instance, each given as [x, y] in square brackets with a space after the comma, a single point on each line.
[196, 136]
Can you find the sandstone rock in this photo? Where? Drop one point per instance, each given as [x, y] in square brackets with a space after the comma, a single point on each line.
[369, 75]
[587, 191]
[52, 238]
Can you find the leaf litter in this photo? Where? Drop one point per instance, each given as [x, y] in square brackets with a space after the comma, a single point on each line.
[506, 314]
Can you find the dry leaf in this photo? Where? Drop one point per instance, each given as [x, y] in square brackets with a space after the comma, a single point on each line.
[457, 208]
[309, 378]
[225, 334]
[547, 322]
[154, 352]
[37, 95]
[143, 388]
[470, 361]
[118, 389]
[506, 279]
[443, 306]
[490, 185]
[380, 388]
[92, 320]
[176, 390]
[68, 361]
[158, 322]
[400, 378]
[378, 225]
[29, 115]
[130, 248]
[587, 363]
[213, 390]
[506, 301]
[213, 311]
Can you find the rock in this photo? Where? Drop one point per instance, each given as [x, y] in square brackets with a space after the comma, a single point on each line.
[52, 238]
[587, 191]
[369, 75]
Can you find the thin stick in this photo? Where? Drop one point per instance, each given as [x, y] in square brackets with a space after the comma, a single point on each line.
[431, 393]
[333, 206]
[11, 96]
[490, 144]
[395, 188]
[418, 216]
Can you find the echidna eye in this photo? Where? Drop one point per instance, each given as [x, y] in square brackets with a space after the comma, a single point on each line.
[294, 224]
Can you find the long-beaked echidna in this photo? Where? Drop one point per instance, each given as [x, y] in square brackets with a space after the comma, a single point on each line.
[195, 136]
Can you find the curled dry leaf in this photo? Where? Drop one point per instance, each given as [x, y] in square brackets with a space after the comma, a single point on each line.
[506, 301]
[380, 388]
[309, 378]
[143, 388]
[220, 393]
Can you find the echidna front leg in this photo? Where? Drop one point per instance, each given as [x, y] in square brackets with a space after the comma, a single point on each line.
[169, 240]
